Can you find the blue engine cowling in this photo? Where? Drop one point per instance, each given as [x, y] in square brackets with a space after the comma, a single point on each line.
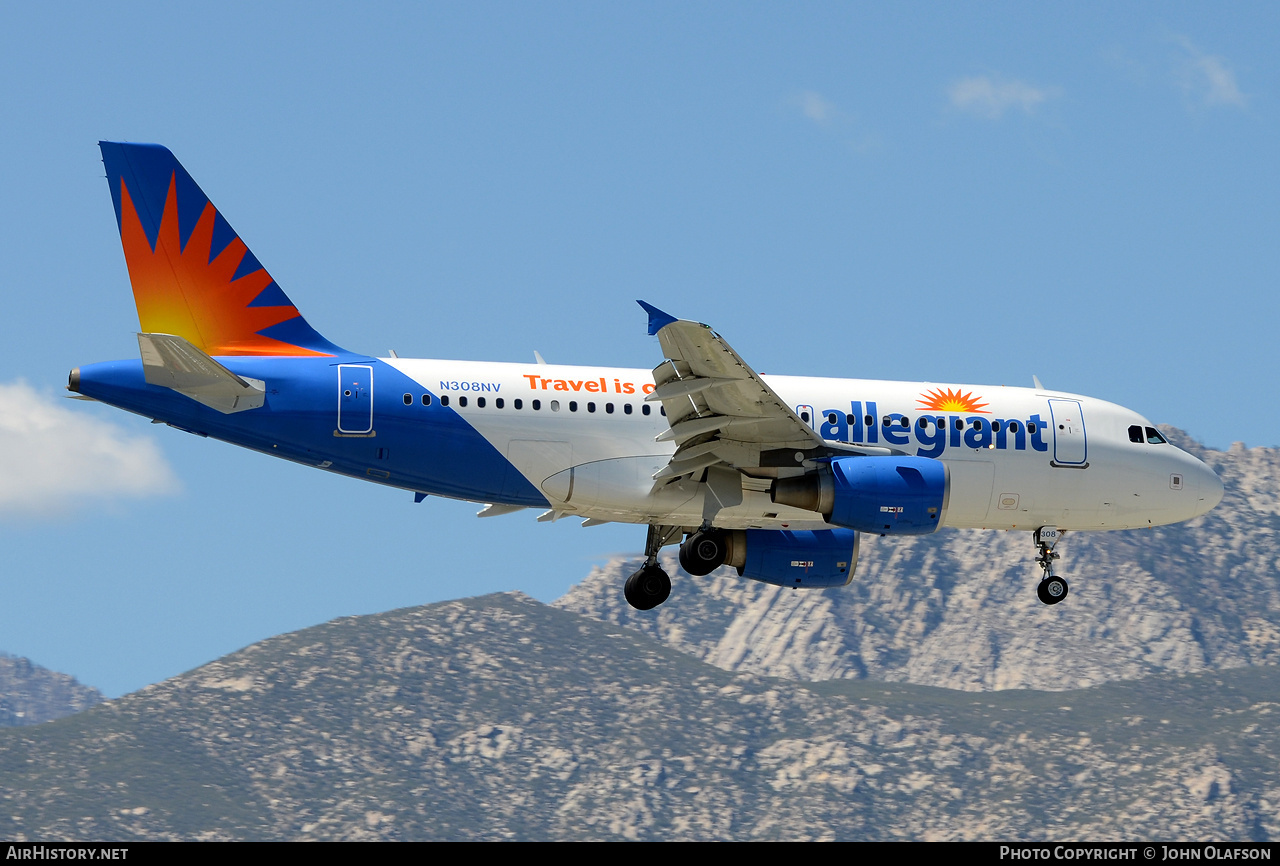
[885, 495]
[794, 557]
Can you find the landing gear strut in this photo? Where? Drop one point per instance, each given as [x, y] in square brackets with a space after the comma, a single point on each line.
[1052, 589]
[650, 586]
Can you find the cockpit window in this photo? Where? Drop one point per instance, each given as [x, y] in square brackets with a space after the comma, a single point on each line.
[1135, 433]
[1154, 437]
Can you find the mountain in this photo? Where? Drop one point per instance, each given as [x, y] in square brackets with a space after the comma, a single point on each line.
[958, 609]
[503, 718]
[30, 694]
[933, 698]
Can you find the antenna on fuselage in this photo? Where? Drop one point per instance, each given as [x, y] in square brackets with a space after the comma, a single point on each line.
[1036, 379]
[538, 357]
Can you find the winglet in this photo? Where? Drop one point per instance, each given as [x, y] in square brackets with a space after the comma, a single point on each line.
[657, 319]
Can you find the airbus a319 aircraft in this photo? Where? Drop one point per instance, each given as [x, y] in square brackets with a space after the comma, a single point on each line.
[776, 476]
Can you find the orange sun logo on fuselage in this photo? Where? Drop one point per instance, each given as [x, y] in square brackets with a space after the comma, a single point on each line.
[952, 400]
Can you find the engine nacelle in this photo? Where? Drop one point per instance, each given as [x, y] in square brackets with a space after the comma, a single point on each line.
[885, 495]
[794, 557]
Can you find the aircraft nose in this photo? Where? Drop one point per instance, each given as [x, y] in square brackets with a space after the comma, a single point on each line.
[1210, 489]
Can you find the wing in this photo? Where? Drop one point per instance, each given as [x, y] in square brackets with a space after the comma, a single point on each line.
[721, 412]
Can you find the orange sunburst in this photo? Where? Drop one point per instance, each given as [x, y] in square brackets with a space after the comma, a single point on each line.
[952, 400]
[180, 291]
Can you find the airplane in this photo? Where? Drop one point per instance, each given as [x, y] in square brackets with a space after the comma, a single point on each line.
[776, 476]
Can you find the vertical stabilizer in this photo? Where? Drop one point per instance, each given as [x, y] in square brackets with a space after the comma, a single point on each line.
[192, 276]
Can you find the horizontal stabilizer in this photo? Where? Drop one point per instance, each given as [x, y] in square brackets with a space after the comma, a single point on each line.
[172, 362]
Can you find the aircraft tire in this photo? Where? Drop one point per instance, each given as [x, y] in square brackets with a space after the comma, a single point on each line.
[703, 552]
[647, 588]
[1052, 590]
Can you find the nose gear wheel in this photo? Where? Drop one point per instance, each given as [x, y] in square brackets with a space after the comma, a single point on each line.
[1052, 588]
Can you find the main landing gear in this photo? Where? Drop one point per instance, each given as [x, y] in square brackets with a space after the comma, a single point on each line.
[650, 586]
[703, 552]
[1052, 589]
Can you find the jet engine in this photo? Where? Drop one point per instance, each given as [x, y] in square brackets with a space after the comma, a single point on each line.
[787, 557]
[885, 495]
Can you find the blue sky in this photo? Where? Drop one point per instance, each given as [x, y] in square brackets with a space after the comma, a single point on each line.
[952, 192]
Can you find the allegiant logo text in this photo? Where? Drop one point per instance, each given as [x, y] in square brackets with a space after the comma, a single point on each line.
[932, 434]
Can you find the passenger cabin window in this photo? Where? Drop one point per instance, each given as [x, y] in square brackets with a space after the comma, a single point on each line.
[462, 401]
[480, 402]
[645, 408]
[426, 399]
[444, 399]
[1154, 437]
[498, 402]
[408, 399]
[1135, 433]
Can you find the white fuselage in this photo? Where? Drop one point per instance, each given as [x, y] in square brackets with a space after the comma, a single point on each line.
[1016, 458]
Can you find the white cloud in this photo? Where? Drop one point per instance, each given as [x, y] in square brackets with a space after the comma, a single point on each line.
[53, 457]
[990, 97]
[1206, 79]
[816, 107]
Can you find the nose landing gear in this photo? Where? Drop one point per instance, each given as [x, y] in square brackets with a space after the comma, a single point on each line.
[1052, 589]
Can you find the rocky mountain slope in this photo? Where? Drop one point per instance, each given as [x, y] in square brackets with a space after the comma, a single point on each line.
[502, 718]
[958, 609]
[896, 707]
[30, 694]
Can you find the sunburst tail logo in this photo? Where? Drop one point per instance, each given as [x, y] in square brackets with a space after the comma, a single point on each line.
[952, 400]
[192, 276]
